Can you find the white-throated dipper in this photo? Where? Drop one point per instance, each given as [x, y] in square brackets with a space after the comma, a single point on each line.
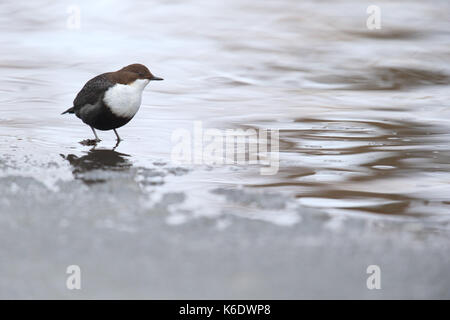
[111, 100]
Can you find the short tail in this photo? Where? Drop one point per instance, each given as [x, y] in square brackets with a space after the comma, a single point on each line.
[70, 110]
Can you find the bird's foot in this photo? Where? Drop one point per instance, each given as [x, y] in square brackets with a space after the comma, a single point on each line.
[117, 144]
[90, 142]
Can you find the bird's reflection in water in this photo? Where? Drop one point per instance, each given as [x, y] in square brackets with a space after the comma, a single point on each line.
[100, 160]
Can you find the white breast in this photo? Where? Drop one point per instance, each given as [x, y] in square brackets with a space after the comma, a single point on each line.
[125, 100]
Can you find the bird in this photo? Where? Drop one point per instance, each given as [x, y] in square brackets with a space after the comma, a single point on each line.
[110, 100]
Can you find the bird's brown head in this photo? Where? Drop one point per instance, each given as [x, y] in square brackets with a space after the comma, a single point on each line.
[140, 72]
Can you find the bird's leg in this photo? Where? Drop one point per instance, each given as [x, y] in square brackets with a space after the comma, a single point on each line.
[117, 144]
[117, 135]
[95, 134]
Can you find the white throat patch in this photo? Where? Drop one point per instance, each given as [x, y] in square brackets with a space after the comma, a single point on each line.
[124, 100]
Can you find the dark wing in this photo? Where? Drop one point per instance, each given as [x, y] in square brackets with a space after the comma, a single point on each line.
[92, 91]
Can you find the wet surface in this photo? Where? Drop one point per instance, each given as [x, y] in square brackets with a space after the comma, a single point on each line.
[364, 126]
[361, 165]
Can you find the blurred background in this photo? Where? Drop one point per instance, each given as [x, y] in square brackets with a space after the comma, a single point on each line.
[364, 123]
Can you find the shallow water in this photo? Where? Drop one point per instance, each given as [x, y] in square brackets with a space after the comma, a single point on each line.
[363, 115]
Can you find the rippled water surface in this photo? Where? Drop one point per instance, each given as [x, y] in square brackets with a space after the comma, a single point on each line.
[363, 115]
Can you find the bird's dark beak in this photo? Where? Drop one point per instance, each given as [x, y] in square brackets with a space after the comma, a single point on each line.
[153, 78]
